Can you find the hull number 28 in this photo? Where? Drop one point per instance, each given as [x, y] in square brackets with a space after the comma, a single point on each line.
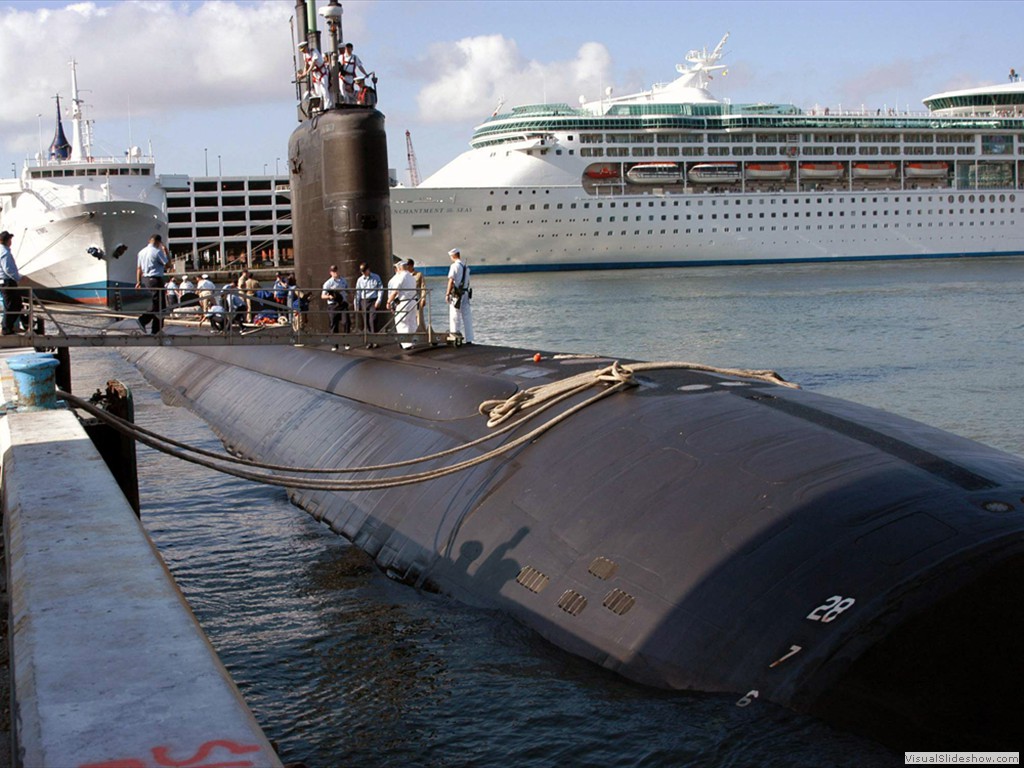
[830, 609]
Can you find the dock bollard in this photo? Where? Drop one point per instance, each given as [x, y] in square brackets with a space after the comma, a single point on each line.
[34, 377]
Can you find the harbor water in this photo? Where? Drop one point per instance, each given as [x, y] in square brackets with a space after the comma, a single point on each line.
[343, 667]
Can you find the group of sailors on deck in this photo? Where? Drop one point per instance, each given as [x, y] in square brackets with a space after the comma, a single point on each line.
[354, 90]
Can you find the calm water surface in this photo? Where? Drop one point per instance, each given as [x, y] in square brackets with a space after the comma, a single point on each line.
[343, 667]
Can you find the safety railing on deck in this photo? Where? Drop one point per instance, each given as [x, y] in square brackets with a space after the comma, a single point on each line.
[125, 317]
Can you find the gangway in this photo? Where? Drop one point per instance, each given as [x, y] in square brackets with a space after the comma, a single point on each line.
[52, 325]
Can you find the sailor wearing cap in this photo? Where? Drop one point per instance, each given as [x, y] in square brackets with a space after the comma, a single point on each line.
[349, 63]
[335, 293]
[402, 300]
[205, 288]
[318, 71]
[458, 294]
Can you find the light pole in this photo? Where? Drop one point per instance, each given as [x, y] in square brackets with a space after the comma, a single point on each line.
[39, 118]
[220, 172]
[277, 166]
[264, 169]
[206, 163]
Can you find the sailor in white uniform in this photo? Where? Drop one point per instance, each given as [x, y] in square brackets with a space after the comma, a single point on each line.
[402, 301]
[460, 316]
[319, 74]
[349, 64]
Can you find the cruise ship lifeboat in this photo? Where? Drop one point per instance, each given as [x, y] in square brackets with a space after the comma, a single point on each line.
[874, 170]
[933, 170]
[821, 170]
[714, 173]
[774, 171]
[655, 173]
[602, 172]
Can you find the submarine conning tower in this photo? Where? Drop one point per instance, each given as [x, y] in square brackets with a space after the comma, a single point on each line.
[338, 167]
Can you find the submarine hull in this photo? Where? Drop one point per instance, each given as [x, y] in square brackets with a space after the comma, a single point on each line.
[696, 532]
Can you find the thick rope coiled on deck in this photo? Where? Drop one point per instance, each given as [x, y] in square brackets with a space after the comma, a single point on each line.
[500, 411]
[616, 377]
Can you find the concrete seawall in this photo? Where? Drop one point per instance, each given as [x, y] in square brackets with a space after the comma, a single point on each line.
[109, 667]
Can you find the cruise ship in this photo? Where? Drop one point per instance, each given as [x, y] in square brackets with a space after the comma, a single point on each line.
[78, 220]
[676, 177]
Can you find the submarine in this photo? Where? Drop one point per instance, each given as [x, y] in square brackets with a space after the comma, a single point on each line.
[688, 528]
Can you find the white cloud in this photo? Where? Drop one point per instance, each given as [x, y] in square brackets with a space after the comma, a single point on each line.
[472, 74]
[156, 55]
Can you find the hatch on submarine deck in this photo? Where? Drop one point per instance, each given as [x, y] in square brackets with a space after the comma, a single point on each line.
[697, 532]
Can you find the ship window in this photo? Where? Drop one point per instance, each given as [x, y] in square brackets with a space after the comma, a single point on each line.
[420, 230]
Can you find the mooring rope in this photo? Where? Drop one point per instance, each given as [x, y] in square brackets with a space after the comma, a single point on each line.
[499, 412]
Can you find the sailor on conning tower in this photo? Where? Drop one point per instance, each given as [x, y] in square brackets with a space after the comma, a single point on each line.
[319, 73]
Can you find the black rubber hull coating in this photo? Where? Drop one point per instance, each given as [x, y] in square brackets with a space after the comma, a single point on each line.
[698, 532]
[340, 197]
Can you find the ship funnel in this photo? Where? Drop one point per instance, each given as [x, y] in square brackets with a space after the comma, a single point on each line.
[60, 149]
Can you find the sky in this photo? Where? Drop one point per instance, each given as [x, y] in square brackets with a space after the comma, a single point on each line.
[207, 84]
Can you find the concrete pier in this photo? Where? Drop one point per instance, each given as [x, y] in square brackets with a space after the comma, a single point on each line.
[109, 667]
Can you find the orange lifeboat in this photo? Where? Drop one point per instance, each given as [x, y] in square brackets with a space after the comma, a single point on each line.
[775, 171]
[927, 170]
[874, 170]
[821, 170]
[602, 172]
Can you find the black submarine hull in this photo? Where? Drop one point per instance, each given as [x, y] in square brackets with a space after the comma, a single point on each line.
[699, 532]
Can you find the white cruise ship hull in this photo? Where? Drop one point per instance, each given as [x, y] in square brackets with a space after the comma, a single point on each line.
[643, 231]
[51, 247]
[756, 183]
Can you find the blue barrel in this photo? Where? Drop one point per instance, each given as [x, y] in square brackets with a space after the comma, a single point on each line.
[35, 379]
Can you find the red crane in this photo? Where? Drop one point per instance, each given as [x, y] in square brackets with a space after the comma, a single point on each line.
[414, 173]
